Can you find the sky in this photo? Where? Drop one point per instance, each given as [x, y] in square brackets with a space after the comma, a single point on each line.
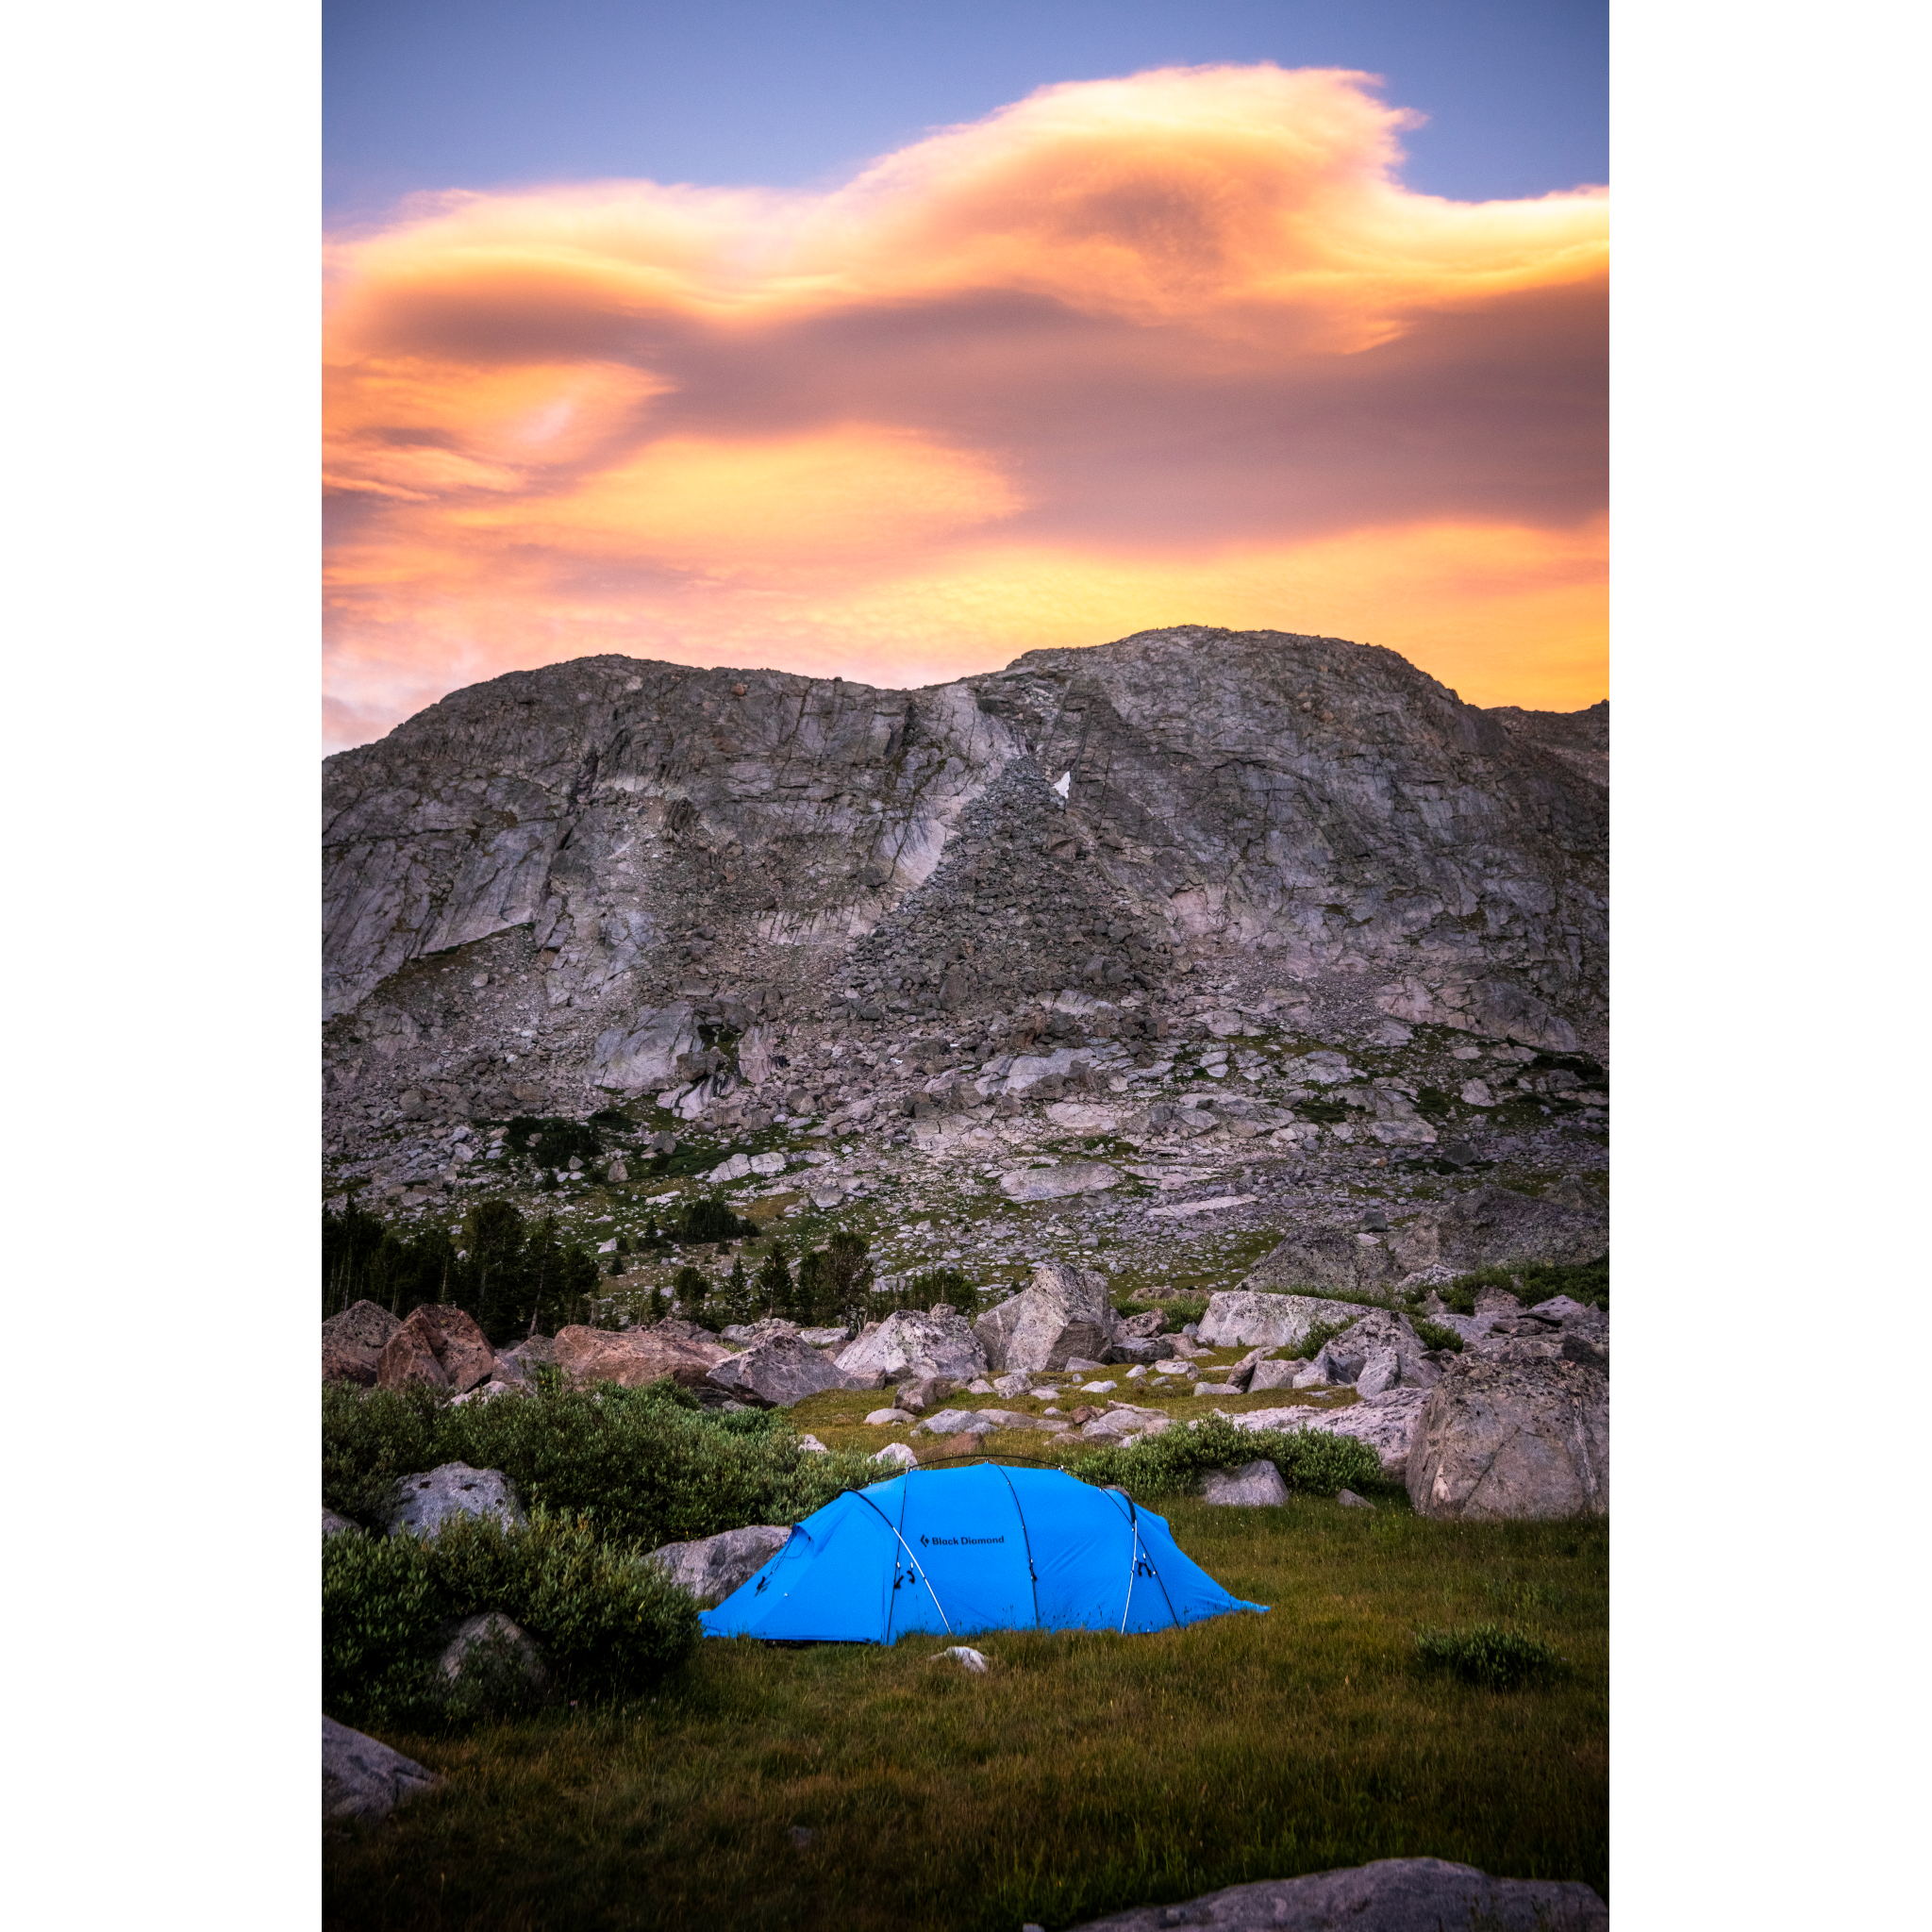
[892, 340]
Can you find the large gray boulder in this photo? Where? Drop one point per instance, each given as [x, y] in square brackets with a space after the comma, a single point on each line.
[1522, 1433]
[1063, 1312]
[333, 1525]
[713, 1566]
[353, 1341]
[424, 1502]
[1057, 1183]
[364, 1780]
[1382, 1332]
[1387, 1423]
[1253, 1485]
[778, 1373]
[914, 1345]
[1489, 1226]
[643, 1055]
[1242, 1318]
[1391, 1896]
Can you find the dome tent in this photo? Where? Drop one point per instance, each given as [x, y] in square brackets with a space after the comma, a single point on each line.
[987, 1547]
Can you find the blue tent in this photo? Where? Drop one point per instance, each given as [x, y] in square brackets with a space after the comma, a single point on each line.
[987, 1548]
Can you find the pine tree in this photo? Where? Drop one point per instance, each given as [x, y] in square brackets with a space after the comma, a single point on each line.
[692, 1289]
[773, 1288]
[736, 1293]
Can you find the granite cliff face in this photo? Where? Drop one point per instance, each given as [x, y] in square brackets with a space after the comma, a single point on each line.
[610, 852]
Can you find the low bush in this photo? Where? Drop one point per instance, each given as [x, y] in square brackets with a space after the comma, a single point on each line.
[1179, 1308]
[645, 1465]
[1582, 1281]
[1311, 1344]
[1533, 1282]
[605, 1622]
[1434, 1335]
[1488, 1656]
[1312, 1462]
[1460, 1293]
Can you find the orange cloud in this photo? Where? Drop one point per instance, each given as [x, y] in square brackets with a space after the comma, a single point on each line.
[1176, 347]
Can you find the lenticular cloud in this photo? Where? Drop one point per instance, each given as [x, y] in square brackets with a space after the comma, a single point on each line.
[1179, 346]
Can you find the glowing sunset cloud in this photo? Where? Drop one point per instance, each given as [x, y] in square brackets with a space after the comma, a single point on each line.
[1173, 348]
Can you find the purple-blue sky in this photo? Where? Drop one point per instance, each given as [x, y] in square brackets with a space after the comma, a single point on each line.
[491, 93]
[890, 340]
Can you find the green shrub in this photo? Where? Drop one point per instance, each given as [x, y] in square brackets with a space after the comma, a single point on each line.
[1311, 1344]
[645, 1465]
[1460, 1293]
[551, 1141]
[605, 1622]
[1433, 1334]
[1534, 1281]
[1180, 1310]
[1313, 1462]
[710, 1218]
[1582, 1281]
[1488, 1656]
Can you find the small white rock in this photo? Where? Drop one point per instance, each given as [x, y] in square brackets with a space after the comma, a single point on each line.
[1098, 1388]
[968, 1658]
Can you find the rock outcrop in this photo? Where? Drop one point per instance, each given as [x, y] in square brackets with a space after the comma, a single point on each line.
[1525, 1432]
[661, 843]
[1489, 1226]
[353, 1341]
[632, 1357]
[436, 1348]
[779, 1372]
[1244, 1318]
[1063, 1313]
[914, 1345]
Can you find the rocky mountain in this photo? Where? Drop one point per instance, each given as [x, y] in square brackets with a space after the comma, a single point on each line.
[743, 904]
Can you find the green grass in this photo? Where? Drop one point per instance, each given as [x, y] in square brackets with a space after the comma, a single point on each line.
[1085, 1774]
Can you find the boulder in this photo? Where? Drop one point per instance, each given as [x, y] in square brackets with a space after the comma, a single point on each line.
[492, 1629]
[1057, 1183]
[744, 1333]
[629, 1059]
[1381, 1332]
[633, 1357]
[1139, 1349]
[1349, 1500]
[1064, 1313]
[713, 1566]
[915, 1345]
[333, 1525]
[889, 1418]
[1391, 1896]
[1510, 1437]
[362, 1780]
[899, 1453]
[353, 1341]
[1275, 1373]
[778, 1373]
[1386, 1423]
[1251, 1484]
[424, 1502]
[518, 1366]
[1242, 1318]
[956, 1422]
[1015, 1384]
[1142, 1327]
[438, 1347]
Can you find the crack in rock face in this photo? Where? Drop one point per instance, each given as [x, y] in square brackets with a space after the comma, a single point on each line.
[664, 836]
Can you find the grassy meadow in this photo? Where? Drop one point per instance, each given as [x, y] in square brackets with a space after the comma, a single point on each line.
[1084, 1774]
